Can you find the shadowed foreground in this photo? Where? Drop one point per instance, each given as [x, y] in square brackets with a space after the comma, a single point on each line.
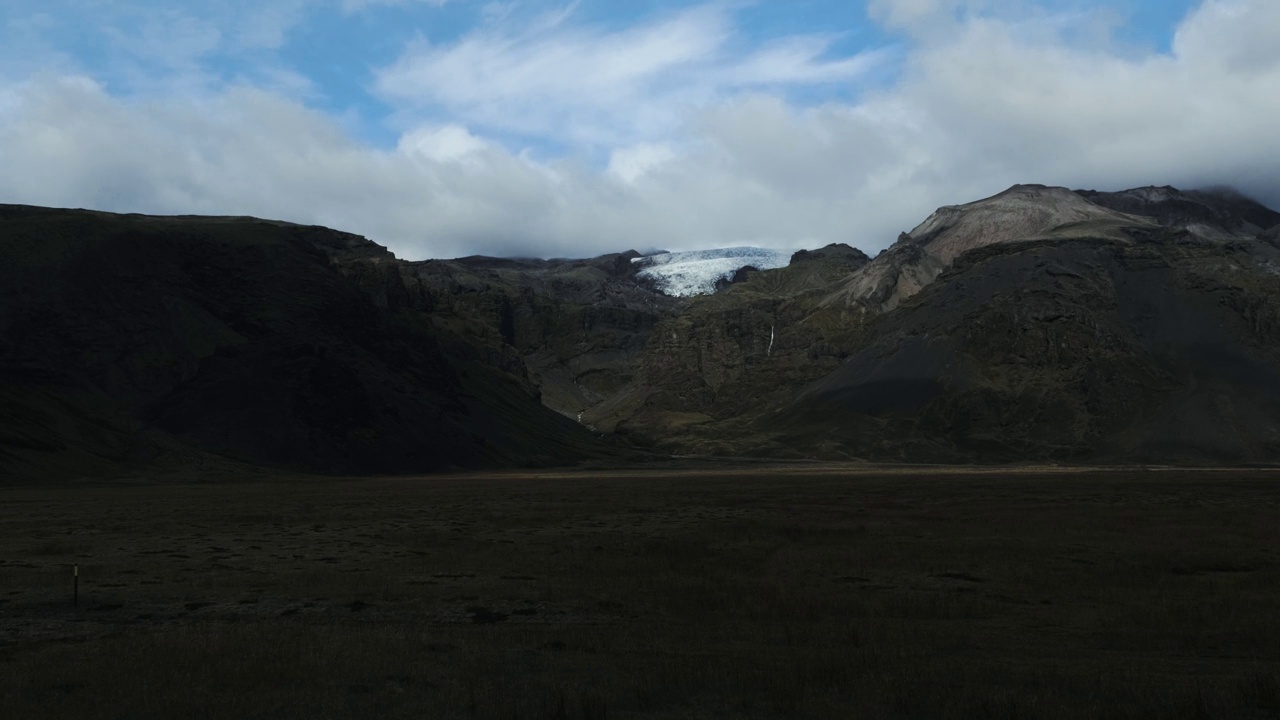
[757, 592]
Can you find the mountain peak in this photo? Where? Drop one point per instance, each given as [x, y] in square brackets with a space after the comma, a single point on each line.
[1019, 213]
[1023, 212]
[832, 250]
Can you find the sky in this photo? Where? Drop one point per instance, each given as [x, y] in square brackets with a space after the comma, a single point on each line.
[552, 128]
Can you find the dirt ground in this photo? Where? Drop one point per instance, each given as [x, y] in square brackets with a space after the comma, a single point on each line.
[812, 591]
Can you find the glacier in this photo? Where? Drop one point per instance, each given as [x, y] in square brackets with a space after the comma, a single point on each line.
[696, 272]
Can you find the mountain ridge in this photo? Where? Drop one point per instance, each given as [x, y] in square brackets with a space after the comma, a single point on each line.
[128, 340]
[1040, 324]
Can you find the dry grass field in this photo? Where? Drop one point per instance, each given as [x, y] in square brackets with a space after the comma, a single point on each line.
[760, 592]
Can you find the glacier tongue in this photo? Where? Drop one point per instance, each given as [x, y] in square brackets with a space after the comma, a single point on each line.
[684, 274]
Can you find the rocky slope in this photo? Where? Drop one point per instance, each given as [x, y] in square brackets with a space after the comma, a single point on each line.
[574, 330]
[722, 359]
[1034, 325]
[1107, 339]
[1021, 213]
[1039, 324]
[1164, 351]
[1217, 214]
[129, 341]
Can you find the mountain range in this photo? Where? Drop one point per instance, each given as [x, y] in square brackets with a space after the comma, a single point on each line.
[1038, 325]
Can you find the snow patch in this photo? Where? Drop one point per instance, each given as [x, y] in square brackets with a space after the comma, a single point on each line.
[1153, 194]
[684, 274]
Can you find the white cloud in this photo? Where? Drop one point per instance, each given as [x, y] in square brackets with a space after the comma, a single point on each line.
[448, 143]
[726, 162]
[1239, 36]
[633, 162]
[1051, 112]
[555, 79]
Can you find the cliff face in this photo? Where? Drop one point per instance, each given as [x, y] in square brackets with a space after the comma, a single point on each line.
[716, 365]
[131, 340]
[573, 329]
[1039, 324]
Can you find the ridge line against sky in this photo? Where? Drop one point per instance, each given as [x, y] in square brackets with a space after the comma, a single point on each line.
[443, 128]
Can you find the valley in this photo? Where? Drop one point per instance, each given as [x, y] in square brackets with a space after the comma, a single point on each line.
[669, 591]
[1015, 465]
[680, 360]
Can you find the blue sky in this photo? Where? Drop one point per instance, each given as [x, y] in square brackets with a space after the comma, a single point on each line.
[328, 54]
[443, 127]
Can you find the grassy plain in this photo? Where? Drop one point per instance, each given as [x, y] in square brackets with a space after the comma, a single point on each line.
[762, 591]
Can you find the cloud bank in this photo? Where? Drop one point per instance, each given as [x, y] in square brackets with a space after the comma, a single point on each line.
[557, 137]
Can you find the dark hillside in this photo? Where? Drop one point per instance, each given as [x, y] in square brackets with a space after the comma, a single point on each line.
[1164, 351]
[127, 339]
[1039, 324]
